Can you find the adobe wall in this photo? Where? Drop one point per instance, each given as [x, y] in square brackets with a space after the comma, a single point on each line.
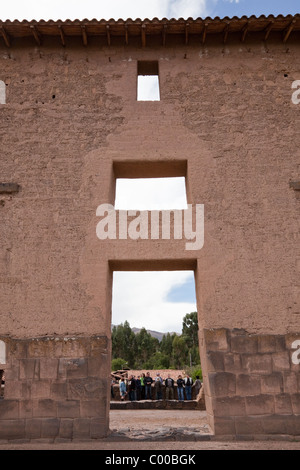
[226, 116]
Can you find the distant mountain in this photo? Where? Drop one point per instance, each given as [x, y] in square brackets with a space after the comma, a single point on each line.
[154, 334]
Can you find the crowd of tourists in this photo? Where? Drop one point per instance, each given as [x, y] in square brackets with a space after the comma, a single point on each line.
[141, 387]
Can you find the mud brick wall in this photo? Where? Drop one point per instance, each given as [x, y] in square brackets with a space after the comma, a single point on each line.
[55, 388]
[252, 386]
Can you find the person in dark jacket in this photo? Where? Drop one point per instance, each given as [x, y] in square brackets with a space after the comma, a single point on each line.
[148, 382]
[169, 383]
[132, 388]
[180, 384]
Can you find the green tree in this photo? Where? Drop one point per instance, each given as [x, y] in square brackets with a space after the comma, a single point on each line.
[190, 335]
[124, 343]
[179, 352]
[146, 346]
[118, 363]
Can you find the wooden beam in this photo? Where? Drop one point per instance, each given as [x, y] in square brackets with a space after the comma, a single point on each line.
[226, 31]
[245, 31]
[62, 35]
[289, 30]
[108, 34]
[126, 34]
[84, 35]
[164, 34]
[204, 33]
[5, 36]
[143, 35]
[35, 34]
[187, 26]
[268, 29]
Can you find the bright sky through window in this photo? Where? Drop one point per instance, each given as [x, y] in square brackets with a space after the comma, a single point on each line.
[148, 88]
[150, 193]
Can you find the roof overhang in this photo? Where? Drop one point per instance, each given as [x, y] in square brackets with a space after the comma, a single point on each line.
[124, 30]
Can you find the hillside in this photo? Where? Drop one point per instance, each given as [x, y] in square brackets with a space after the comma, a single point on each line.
[155, 334]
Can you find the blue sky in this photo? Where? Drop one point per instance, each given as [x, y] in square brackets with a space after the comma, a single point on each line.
[72, 9]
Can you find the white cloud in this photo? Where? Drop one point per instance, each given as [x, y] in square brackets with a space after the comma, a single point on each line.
[140, 298]
[103, 9]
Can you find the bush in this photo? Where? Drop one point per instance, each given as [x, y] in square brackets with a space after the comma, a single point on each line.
[118, 364]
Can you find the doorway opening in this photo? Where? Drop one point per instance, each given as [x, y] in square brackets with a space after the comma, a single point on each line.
[155, 334]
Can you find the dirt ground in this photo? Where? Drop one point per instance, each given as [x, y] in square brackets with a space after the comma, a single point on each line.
[152, 419]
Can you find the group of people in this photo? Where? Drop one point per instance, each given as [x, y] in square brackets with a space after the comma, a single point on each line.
[140, 387]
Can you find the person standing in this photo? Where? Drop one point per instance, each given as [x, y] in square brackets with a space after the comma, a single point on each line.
[122, 387]
[158, 387]
[132, 388]
[148, 382]
[197, 385]
[188, 382]
[142, 386]
[180, 383]
[138, 388]
[169, 383]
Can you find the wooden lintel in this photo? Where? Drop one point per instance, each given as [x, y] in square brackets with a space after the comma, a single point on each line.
[164, 34]
[204, 33]
[35, 34]
[5, 36]
[108, 34]
[289, 30]
[126, 34]
[143, 35]
[84, 35]
[226, 31]
[244, 32]
[268, 29]
[187, 33]
[9, 188]
[62, 35]
[295, 185]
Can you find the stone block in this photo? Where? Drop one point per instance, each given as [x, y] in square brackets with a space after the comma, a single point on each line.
[48, 368]
[216, 339]
[260, 405]
[9, 409]
[40, 389]
[224, 426]
[295, 397]
[232, 363]
[26, 409]
[278, 424]
[272, 383]
[66, 428]
[33, 428]
[44, 408]
[29, 368]
[13, 389]
[98, 428]
[76, 368]
[50, 428]
[290, 384]
[81, 428]
[68, 409]
[247, 385]
[12, 429]
[229, 407]
[58, 390]
[95, 408]
[283, 404]
[281, 361]
[95, 368]
[215, 361]
[249, 425]
[87, 388]
[222, 384]
[98, 345]
[258, 363]
[244, 344]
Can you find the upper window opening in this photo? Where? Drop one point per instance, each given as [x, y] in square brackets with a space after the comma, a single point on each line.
[2, 92]
[148, 81]
[150, 193]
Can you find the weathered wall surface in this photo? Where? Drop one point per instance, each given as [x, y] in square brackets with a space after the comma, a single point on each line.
[71, 112]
